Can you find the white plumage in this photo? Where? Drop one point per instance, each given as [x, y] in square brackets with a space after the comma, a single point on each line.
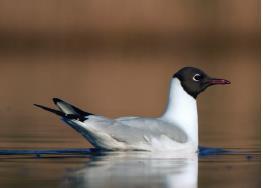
[175, 130]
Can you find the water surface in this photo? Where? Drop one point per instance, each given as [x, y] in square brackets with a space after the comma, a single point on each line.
[237, 168]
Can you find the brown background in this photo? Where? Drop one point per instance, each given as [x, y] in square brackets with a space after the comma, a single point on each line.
[116, 58]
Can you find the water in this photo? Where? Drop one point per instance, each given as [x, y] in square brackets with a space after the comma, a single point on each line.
[235, 168]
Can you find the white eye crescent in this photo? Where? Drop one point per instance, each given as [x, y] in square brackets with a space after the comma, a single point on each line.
[197, 77]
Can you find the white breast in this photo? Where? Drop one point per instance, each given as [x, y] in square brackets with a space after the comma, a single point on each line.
[182, 111]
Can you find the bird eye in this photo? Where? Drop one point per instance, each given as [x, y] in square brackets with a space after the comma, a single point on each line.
[197, 77]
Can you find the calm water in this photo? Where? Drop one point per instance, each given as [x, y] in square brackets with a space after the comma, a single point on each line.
[240, 168]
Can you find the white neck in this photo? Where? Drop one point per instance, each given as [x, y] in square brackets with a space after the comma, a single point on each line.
[182, 111]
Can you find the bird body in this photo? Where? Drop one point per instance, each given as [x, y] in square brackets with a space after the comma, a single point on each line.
[131, 133]
[175, 130]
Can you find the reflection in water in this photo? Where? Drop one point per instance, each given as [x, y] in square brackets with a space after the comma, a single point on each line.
[139, 169]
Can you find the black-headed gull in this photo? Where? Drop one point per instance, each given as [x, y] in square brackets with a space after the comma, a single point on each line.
[176, 129]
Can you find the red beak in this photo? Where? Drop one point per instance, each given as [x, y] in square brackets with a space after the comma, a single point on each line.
[215, 81]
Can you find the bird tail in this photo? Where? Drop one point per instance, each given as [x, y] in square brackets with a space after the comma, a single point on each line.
[66, 110]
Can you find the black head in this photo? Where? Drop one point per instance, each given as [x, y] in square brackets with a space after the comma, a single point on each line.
[194, 81]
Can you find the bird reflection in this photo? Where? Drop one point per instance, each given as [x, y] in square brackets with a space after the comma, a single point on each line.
[136, 169]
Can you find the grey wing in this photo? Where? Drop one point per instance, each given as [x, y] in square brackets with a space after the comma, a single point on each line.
[135, 129]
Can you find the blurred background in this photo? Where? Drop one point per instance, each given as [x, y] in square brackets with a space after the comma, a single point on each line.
[116, 58]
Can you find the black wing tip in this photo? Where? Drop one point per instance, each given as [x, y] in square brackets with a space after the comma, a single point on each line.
[78, 117]
[38, 105]
[57, 112]
[77, 110]
[57, 100]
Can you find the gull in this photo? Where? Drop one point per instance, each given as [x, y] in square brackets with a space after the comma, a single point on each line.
[175, 130]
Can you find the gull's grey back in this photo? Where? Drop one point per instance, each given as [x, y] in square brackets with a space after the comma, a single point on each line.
[133, 130]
